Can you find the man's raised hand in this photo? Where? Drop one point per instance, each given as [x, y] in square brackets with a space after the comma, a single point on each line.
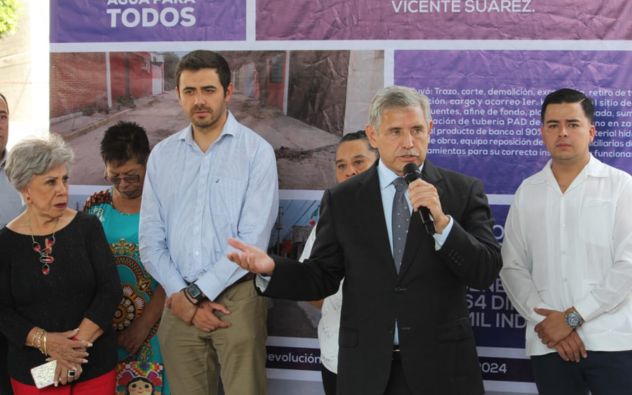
[250, 258]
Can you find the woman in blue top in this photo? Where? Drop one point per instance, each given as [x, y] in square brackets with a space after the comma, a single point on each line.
[125, 149]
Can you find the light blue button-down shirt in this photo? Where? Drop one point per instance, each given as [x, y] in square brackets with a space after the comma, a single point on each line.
[387, 189]
[193, 201]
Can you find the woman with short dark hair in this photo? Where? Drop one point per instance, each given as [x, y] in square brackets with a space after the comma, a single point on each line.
[125, 149]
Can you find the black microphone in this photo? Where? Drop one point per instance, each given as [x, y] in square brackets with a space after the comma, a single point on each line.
[411, 173]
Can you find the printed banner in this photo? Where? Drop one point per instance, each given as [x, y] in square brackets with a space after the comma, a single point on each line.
[486, 107]
[302, 93]
[147, 20]
[443, 19]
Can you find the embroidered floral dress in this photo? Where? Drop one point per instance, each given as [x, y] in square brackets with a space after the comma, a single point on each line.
[121, 230]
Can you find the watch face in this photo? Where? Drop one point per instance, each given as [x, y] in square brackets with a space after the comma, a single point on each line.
[194, 291]
[573, 320]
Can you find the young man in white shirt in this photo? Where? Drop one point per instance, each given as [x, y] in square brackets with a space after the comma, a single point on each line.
[567, 258]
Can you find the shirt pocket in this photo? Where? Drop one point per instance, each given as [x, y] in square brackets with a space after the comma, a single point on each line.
[225, 205]
[596, 220]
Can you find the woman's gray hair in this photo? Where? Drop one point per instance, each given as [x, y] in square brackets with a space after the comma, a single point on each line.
[36, 156]
[395, 97]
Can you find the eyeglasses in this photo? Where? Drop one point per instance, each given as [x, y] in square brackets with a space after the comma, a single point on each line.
[131, 179]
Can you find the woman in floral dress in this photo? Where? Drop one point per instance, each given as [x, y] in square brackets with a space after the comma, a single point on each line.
[124, 150]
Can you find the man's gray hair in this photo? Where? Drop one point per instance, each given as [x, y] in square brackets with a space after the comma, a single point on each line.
[395, 97]
[36, 156]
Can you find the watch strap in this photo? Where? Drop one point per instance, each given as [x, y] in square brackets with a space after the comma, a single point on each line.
[189, 298]
[194, 300]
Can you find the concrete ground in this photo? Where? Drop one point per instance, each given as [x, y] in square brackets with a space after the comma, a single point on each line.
[304, 153]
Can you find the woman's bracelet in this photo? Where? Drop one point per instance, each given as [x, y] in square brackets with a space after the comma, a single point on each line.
[39, 340]
[35, 339]
[43, 349]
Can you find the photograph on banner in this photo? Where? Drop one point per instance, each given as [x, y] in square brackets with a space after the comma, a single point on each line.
[443, 20]
[295, 221]
[301, 102]
[80, 21]
[486, 107]
[293, 325]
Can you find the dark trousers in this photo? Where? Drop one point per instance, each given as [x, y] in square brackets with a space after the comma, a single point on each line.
[5, 383]
[602, 373]
[329, 380]
[397, 384]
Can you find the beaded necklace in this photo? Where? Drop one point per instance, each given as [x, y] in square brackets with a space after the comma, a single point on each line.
[45, 257]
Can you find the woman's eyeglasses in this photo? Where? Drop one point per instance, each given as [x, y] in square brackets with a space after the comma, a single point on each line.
[131, 179]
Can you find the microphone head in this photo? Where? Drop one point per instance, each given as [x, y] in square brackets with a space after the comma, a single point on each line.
[411, 172]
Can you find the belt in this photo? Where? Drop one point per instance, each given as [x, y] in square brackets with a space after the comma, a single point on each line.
[246, 277]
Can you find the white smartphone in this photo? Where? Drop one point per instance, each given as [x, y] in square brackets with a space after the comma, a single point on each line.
[44, 374]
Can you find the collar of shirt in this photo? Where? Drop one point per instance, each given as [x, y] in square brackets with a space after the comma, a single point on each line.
[387, 176]
[3, 159]
[230, 129]
[594, 168]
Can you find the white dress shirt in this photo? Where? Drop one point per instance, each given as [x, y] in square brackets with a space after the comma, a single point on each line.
[573, 249]
[387, 189]
[329, 324]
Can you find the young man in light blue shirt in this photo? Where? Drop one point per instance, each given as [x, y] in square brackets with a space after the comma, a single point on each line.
[212, 180]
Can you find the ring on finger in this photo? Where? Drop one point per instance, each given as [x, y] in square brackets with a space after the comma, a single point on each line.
[72, 373]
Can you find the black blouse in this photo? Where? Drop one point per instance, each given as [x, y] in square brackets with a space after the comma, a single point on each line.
[82, 283]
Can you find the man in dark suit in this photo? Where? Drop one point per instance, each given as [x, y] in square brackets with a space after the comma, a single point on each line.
[404, 325]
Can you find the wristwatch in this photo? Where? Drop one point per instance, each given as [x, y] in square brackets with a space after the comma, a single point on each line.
[194, 293]
[573, 319]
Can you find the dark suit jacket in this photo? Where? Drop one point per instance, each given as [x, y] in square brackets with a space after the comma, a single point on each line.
[427, 298]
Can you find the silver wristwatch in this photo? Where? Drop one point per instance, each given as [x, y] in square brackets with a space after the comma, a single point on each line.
[573, 319]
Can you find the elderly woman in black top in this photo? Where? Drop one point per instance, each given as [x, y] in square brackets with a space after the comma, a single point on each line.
[58, 283]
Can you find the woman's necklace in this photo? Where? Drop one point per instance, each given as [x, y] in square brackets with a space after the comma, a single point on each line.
[45, 257]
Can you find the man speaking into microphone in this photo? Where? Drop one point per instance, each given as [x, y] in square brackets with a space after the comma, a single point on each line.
[404, 324]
